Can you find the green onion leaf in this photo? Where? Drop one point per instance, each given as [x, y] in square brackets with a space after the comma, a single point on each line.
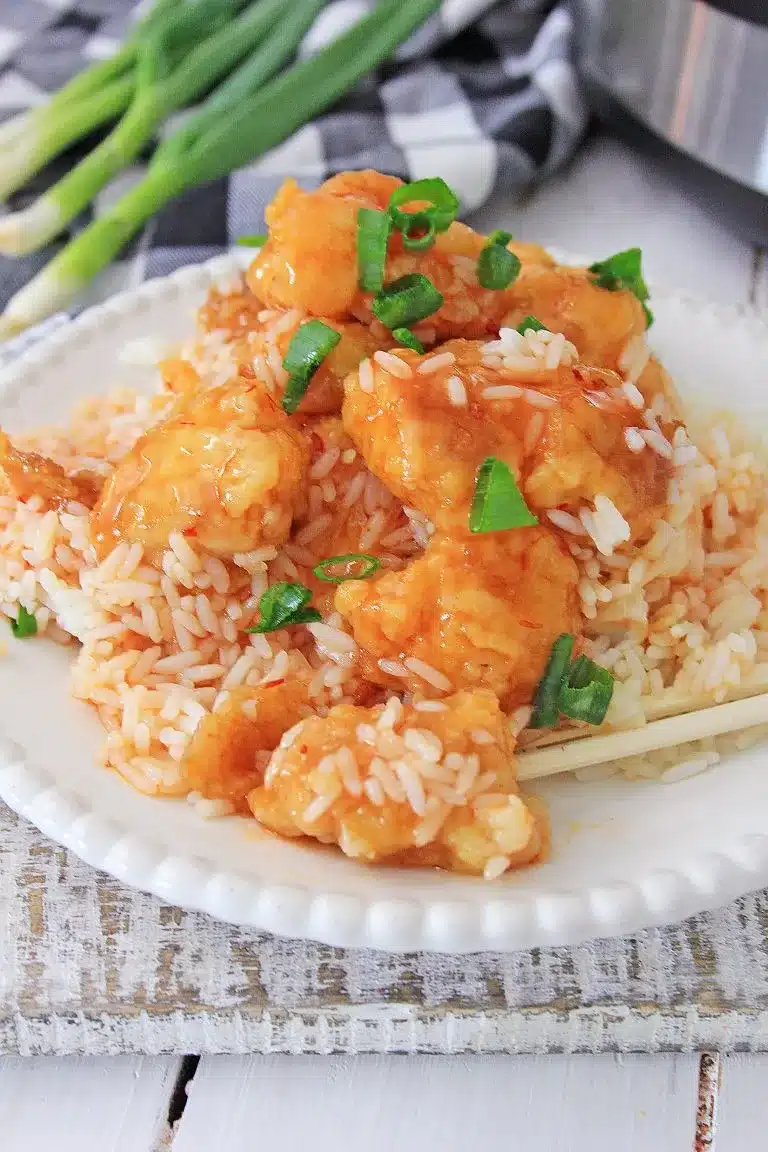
[530, 324]
[406, 301]
[285, 604]
[364, 565]
[419, 234]
[373, 228]
[624, 270]
[581, 690]
[443, 204]
[405, 337]
[586, 692]
[309, 346]
[257, 240]
[546, 702]
[25, 624]
[498, 503]
[497, 267]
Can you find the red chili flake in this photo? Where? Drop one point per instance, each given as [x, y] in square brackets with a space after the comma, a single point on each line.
[191, 531]
[273, 684]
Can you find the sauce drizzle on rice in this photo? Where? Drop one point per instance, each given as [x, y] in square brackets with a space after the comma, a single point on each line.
[388, 726]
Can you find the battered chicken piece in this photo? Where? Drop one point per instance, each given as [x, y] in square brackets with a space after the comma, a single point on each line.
[482, 610]
[26, 474]
[227, 755]
[562, 434]
[312, 232]
[607, 327]
[432, 787]
[326, 389]
[227, 467]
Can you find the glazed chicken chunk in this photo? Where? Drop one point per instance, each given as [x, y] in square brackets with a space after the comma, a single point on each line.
[434, 786]
[606, 327]
[227, 755]
[227, 467]
[26, 474]
[479, 611]
[310, 232]
[263, 354]
[562, 431]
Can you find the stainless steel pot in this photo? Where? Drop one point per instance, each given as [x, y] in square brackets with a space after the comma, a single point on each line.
[689, 81]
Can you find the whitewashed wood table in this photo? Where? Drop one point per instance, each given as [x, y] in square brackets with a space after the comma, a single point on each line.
[586, 1103]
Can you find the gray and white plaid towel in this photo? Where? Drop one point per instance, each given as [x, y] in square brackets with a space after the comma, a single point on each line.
[484, 95]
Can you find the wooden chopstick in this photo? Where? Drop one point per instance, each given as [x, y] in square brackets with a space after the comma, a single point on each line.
[664, 733]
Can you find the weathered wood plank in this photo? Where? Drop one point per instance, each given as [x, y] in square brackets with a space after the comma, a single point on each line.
[573, 1104]
[742, 1118]
[84, 1104]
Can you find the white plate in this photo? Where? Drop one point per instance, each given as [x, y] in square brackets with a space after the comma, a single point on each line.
[625, 856]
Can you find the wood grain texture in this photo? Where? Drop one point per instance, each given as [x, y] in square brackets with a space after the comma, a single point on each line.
[85, 1105]
[92, 966]
[600, 1103]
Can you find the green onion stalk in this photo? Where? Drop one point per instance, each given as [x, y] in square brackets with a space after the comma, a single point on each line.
[241, 121]
[176, 63]
[93, 97]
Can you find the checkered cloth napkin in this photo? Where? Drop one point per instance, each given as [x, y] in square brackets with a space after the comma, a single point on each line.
[484, 94]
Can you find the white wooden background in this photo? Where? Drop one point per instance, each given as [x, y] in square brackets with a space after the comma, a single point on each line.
[666, 1103]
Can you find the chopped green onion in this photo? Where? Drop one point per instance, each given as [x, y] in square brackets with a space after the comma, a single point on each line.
[497, 267]
[258, 240]
[586, 692]
[581, 690]
[25, 624]
[530, 324]
[420, 232]
[406, 301]
[443, 205]
[624, 270]
[373, 228]
[366, 564]
[546, 702]
[309, 346]
[498, 503]
[405, 337]
[285, 604]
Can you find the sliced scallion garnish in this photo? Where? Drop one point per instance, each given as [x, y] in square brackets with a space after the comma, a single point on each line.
[581, 690]
[586, 692]
[530, 324]
[624, 270]
[546, 702]
[309, 346]
[498, 503]
[406, 301]
[284, 604]
[405, 337]
[497, 267]
[257, 240]
[440, 212]
[24, 625]
[420, 233]
[364, 565]
[373, 228]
